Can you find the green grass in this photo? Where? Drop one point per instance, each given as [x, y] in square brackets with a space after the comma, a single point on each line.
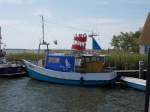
[20, 56]
[126, 61]
[120, 60]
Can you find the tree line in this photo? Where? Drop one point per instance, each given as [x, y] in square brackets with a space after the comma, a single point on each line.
[126, 41]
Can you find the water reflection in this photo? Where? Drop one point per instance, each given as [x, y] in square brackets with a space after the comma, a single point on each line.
[29, 95]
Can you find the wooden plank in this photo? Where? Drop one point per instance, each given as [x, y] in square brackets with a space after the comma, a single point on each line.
[125, 71]
[13, 74]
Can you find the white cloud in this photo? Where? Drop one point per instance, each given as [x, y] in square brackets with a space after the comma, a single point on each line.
[100, 2]
[94, 21]
[136, 2]
[16, 2]
[105, 27]
[44, 12]
[7, 22]
[26, 34]
[11, 1]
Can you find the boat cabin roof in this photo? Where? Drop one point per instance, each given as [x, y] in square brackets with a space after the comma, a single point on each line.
[70, 55]
[56, 54]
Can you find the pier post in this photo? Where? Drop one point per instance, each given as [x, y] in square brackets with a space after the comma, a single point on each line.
[141, 69]
[147, 106]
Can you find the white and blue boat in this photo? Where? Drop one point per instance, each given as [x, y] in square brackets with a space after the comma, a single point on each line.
[63, 69]
[76, 68]
[135, 83]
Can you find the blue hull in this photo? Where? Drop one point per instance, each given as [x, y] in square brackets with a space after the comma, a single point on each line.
[136, 86]
[41, 77]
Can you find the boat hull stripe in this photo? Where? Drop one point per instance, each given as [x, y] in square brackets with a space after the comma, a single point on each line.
[41, 77]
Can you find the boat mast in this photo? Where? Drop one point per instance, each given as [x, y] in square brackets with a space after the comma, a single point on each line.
[0, 39]
[43, 27]
[44, 43]
[92, 35]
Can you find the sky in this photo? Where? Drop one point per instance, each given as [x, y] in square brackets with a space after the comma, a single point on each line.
[21, 21]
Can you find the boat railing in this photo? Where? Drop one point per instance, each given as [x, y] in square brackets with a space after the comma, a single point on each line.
[110, 69]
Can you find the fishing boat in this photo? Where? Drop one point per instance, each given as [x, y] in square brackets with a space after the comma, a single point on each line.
[139, 84]
[8, 68]
[75, 68]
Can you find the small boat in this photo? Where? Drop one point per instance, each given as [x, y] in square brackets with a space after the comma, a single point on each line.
[75, 68]
[8, 68]
[135, 83]
[63, 70]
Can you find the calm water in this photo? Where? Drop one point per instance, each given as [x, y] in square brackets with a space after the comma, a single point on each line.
[28, 95]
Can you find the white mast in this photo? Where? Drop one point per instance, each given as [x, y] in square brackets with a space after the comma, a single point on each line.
[43, 41]
[43, 28]
[0, 39]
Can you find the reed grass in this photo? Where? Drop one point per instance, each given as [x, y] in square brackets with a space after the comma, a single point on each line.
[20, 56]
[120, 60]
[126, 61]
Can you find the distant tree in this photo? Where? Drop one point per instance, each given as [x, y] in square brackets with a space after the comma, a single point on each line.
[127, 41]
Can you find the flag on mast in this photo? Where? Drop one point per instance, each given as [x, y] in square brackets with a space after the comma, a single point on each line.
[95, 45]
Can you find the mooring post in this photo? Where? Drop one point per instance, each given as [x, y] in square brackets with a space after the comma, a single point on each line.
[141, 69]
[147, 96]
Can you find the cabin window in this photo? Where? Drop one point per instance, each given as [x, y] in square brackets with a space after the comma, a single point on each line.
[53, 60]
[87, 60]
[97, 59]
[78, 62]
[100, 59]
[146, 49]
[93, 58]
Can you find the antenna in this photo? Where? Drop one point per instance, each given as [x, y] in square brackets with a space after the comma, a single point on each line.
[92, 35]
[42, 27]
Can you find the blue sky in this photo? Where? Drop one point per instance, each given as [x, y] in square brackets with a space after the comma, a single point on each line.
[21, 25]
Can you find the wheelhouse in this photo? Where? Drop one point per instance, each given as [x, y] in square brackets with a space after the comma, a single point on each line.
[60, 62]
[89, 64]
[69, 63]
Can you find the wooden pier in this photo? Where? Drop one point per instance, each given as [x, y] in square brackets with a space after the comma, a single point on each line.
[128, 71]
[132, 73]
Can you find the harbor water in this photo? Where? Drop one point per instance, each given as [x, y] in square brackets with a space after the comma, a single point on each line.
[29, 95]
